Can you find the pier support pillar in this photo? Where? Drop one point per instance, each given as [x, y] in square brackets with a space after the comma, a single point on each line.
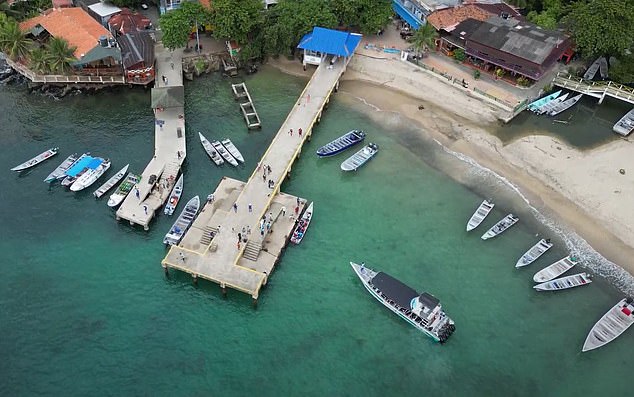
[602, 98]
[255, 302]
[223, 288]
[309, 136]
[166, 271]
[195, 279]
[318, 118]
[337, 86]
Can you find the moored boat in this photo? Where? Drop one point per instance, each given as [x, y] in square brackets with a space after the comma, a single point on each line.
[423, 311]
[555, 270]
[361, 157]
[603, 68]
[613, 323]
[302, 225]
[59, 171]
[211, 152]
[500, 227]
[111, 182]
[342, 143]
[534, 252]
[232, 149]
[533, 106]
[175, 196]
[36, 160]
[83, 164]
[551, 105]
[90, 176]
[123, 189]
[557, 284]
[183, 222]
[223, 152]
[478, 216]
[592, 70]
[565, 105]
[625, 125]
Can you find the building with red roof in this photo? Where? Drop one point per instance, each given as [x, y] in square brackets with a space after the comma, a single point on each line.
[129, 22]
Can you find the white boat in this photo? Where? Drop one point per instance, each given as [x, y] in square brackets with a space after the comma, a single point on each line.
[223, 152]
[565, 105]
[611, 325]
[36, 160]
[534, 106]
[58, 172]
[592, 70]
[175, 196]
[111, 182]
[555, 270]
[534, 252]
[501, 226]
[123, 189]
[575, 280]
[89, 177]
[233, 150]
[478, 216]
[361, 157]
[423, 311]
[625, 125]
[213, 154]
[302, 225]
[550, 105]
[183, 222]
[342, 143]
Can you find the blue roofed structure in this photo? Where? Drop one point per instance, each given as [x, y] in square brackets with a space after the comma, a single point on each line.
[321, 42]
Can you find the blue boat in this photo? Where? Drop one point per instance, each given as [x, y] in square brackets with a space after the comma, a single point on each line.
[81, 165]
[534, 106]
[342, 143]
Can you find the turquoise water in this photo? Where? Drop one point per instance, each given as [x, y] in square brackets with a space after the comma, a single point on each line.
[86, 309]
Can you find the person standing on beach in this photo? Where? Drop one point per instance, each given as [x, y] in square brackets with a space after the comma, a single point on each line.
[235, 207]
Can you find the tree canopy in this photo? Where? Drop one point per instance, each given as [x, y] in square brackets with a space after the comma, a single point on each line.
[368, 15]
[177, 25]
[236, 19]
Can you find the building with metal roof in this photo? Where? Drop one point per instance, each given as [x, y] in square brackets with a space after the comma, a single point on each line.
[321, 42]
[137, 52]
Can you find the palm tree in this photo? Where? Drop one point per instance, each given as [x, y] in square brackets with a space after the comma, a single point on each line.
[39, 60]
[60, 55]
[12, 41]
[424, 39]
[7, 9]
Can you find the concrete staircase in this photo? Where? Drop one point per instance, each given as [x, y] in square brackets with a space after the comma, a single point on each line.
[206, 237]
[252, 250]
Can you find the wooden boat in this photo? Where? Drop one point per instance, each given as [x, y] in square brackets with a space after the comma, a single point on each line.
[575, 280]
[551, 105]
[233, 150]
[555, 270]
[478, 216]
[565, 105]
[592, 70]
[501, 226]
[213, 154]
[611, 325]
[342, 143]
[123, 189]
[302, 225]
[90, 176]
[361, 157]
[183, 222]
[225, 155]
[625, 125]
[61, 169]
[535, 105]
[36, 160]
[175, 196]
[111, 182]
[81, 166]
[603, 68]
[534, 252]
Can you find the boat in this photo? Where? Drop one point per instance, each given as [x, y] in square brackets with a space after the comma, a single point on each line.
[59, 171]
[478, 216]
[565, 105]
[175, 195]
[36, 160]
[213, 154]
[225, 155]
[123, 189]
[423, 311]
[625, 125]
[359, 158]
[534, 252]
[183, 222]
[90, 176]
[83, 164]
[575, 280]
[111, 182]
[603, 68]
[302, 225]
[533, 106]
[232, 149]
[342, 143]
[592, 70]
[551, 105]
[501, 226]
[555, 270]
[611, 325]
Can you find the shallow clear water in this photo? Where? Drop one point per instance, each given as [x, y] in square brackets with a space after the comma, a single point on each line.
[85, 307]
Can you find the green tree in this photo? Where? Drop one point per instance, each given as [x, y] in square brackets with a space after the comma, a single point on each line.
[549, 16]
[12, 41]
[236, 19]
[368, 15]
[177, 25]
[39, 60]
[459, 55]
[623, 70]
[425, 38]
[7, 9]
[602, 27]
[126, 3]
[60, 55]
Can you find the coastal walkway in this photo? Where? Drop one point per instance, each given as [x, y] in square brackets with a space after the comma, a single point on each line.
[160, 174]
[246, 266]
[597, 89]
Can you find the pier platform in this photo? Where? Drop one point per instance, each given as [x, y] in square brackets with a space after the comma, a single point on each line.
[241, 94]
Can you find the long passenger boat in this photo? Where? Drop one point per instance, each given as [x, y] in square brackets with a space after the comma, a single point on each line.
[175, 196]
[592, 70]
[478, 216]
[565, 105]
[211, 152]
[342, 143]
[111, 182]
[184, 221]
[556, 269]
[576, 280]
[533, 106]
[223, 152]
[423, 311]
[83, 164]
[501, 226]
[232, 149]
[59, 171]
[611, 325]
[90, 176]
[361, 157]
[551, 105]
[123, 189]
[534, 252]
[36, 160]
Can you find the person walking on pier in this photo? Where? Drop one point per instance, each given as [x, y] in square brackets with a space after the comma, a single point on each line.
[291, 132]
[250, 207]
[283, 211]
[145, 209]
[136, 193]
[239, 237]
[300, 132]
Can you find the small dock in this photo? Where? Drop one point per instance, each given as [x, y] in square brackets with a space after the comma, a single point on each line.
[241, 94]
[229, 67]
[597, 89]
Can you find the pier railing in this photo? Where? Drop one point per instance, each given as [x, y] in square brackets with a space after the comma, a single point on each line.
[63, 79]
[597, 89]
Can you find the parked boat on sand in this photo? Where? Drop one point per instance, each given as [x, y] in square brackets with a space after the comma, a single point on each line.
[302, 225]
[111, 182]
[361, 157]
[36, 160]
[555, 270]
[576, 280]
[534, 252]
[211, 152]
[90, 176]
[342, 143]
[501, 226]
[613, 323]
[233, 150]
[58, 172]
[223, 152]
[123, 189]
[175, 196]
[478, 216]
[183, 222]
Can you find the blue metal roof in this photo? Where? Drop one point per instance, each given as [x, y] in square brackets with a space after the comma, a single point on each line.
[330, 41]
[407, 15]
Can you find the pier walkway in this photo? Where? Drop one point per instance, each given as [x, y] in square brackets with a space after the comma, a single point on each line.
[141, 204]
[597, 89]
[220, 259]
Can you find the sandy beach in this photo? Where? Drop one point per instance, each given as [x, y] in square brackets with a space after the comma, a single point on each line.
[586, 190]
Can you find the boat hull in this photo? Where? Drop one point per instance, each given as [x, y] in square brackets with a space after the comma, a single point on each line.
[611, 325]
[298, 235]
[36, 160]
[339, 145]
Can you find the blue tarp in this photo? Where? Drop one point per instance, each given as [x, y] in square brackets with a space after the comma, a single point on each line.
[95, 163]
[80, 165]
[406, 15]
[332, 42]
